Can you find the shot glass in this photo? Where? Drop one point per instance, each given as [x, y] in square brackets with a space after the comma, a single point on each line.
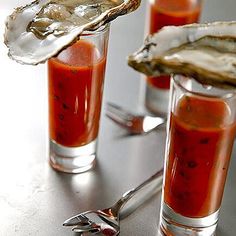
[200, 136]
[75, 88]
[163, 13]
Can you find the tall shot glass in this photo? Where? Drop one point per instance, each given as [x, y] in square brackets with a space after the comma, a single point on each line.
[200, 136]
[163, 13]
[75, 87]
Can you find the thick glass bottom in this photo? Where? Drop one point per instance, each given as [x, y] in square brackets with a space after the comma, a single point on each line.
[174, 224]
[157, 100]
[72, 159]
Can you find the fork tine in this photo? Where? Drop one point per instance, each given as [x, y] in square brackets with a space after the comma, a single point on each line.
[118, 120]
[80, 219]
[119, 115]
[92, 229]
[118, 112]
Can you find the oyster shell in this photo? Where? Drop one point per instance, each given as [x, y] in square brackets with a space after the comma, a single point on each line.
[41, 29]
[206, 52]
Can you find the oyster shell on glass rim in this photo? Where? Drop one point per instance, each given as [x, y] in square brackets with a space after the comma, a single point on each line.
[206, 52]
[41, 29]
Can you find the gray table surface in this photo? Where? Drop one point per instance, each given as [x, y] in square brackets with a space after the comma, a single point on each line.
[34, 199]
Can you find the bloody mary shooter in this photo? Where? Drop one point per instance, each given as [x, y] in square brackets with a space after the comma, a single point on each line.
[76, 77]
[200, 138]
[163, 13]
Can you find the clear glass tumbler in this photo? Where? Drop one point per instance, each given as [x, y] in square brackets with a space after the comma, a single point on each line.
[200, 136]
[163, 13]
[75, 87]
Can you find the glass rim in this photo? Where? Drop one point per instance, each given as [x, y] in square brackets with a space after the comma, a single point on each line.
[101, 29]
[228, 94]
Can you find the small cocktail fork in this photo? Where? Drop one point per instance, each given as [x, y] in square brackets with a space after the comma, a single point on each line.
[107, 221]
[134, 124]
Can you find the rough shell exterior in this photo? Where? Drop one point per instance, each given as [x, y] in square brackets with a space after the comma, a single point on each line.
[206, 52]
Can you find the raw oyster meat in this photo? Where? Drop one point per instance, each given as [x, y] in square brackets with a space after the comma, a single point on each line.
[43, 28]
[206, 52]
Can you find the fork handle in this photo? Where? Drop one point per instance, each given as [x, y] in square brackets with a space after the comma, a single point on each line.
[158, 176]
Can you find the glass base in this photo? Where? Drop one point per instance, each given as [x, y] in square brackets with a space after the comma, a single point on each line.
[72, 159]
[157, 100]
[175, 224]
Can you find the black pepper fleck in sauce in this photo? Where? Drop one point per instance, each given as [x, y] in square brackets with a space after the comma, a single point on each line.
[65, 106]
[56, 97]
[60, 85]
[74, 71]
[192, 164]
[204, 140]
[61, 116]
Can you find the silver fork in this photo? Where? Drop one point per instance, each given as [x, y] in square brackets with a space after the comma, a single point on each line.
[134, 124]
[107, 221]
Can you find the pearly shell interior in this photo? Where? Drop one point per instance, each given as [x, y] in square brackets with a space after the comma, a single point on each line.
[40, 30]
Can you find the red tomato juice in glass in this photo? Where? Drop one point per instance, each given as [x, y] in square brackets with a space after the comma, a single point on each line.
[201, 141]
[171, 12]
[76, 78]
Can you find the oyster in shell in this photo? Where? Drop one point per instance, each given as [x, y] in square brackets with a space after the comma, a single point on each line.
[206, 52]
[43, 28]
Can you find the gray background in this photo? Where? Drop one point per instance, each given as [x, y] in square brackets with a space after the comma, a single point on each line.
[34, 199]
